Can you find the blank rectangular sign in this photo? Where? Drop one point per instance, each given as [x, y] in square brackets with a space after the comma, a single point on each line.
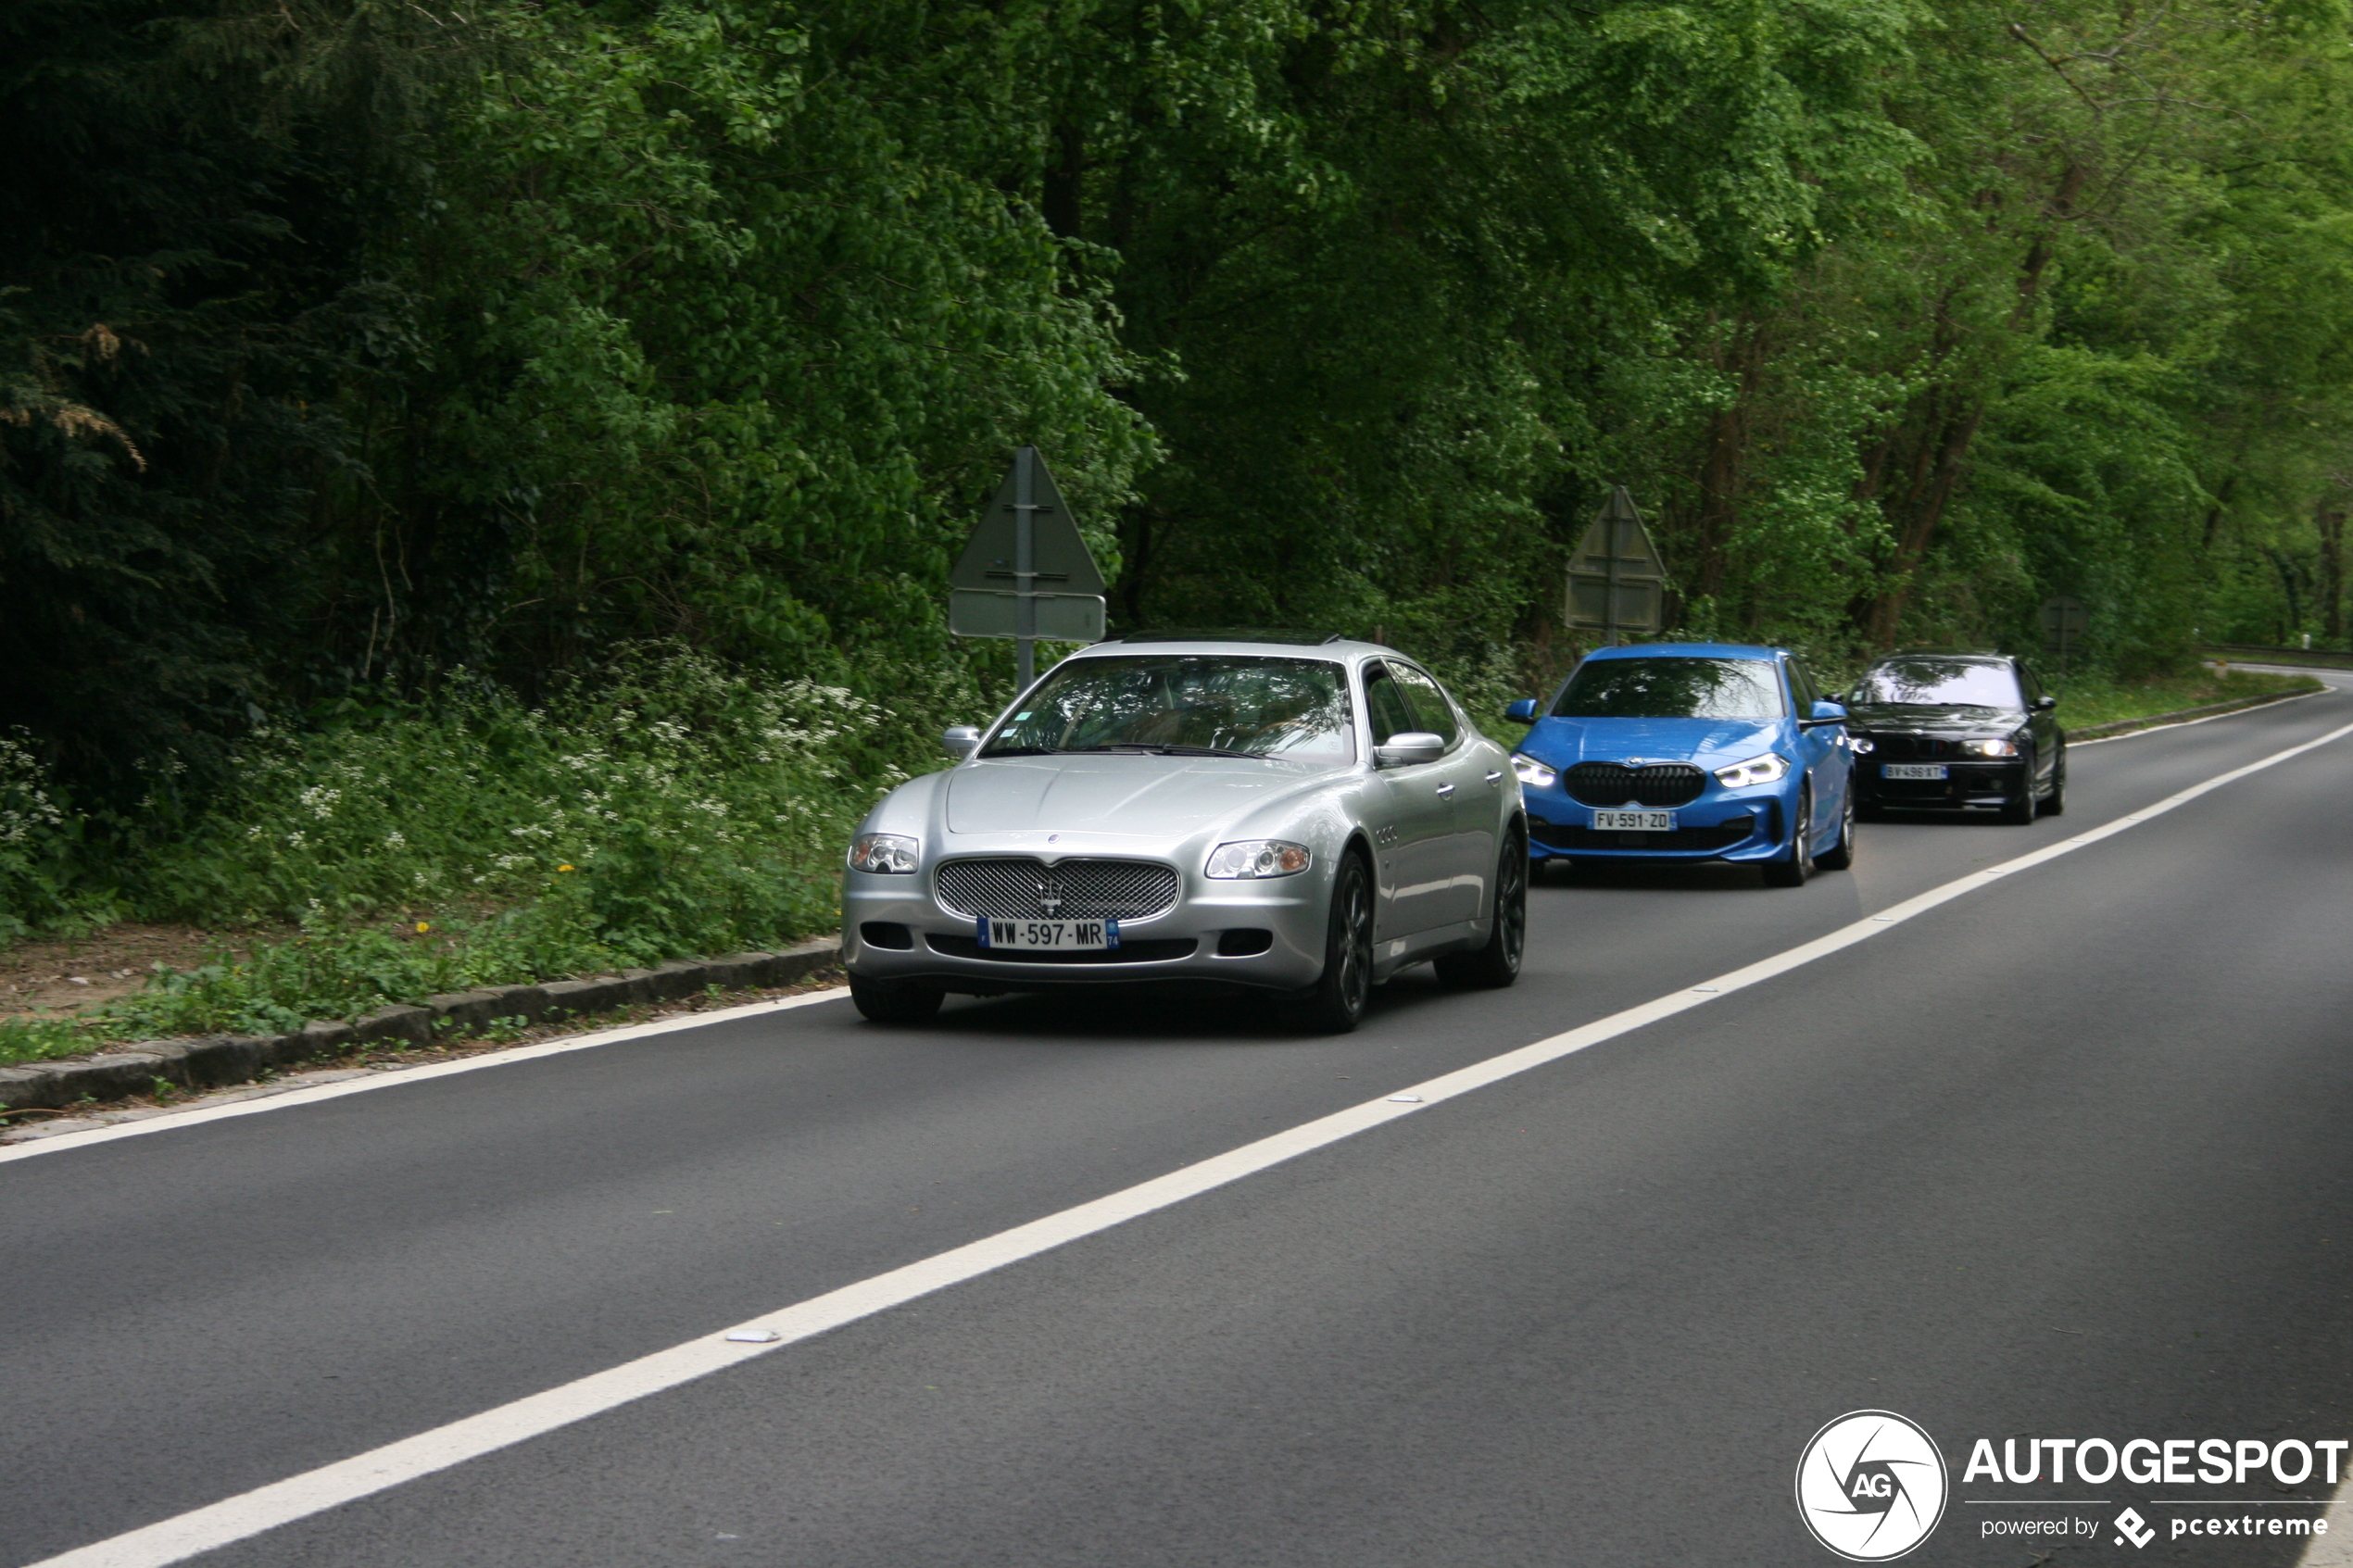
[1061, 617]
[1589, 603]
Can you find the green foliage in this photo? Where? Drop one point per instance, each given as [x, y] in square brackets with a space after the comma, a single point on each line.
[669, 807]
[373, 377]
[39, 1038]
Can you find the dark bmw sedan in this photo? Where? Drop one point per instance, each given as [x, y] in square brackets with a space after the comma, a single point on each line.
[1934, 727]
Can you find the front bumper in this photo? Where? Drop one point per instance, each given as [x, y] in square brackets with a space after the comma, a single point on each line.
[1264, 936]
[1749, 824]
[1980, 781]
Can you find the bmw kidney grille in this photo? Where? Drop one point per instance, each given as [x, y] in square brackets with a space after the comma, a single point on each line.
[1614, 784]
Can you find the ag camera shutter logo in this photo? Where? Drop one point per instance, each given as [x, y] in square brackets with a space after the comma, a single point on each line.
[1870, 1486]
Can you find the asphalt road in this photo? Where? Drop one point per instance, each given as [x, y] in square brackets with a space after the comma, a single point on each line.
[2070, 1156]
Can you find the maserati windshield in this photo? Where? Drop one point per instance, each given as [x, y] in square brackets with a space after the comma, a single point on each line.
[1671, 688]
[1186, 705]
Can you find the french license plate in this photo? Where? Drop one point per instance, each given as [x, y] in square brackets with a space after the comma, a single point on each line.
[1911, 771]
[1072, 935]
[1635, 821]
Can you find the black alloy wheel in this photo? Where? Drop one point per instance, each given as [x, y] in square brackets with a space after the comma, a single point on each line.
[2020, 809]
[1495, 963]
[895, 1002]
[1840, 856]
[1346, 986]
[2055, 802]
[1794, 872]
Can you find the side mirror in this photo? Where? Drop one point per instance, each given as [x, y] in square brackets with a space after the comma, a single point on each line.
[1825, 713]
[962, 740]
[2044, 703]
[1408, 746]
[1522, 711]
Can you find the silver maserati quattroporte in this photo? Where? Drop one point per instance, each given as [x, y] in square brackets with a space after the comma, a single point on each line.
[1294, 820]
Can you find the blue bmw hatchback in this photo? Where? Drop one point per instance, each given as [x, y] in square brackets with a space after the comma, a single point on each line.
[1690, 751]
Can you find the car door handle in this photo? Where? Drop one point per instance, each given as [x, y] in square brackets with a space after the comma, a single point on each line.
[1445, 789]
[1493, 776]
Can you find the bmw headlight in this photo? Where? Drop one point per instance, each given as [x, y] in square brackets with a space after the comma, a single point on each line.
[1530, 771]
[888, 853]
[1769, 769]
[1989, 748]
[1861, 744]
[1257, 857]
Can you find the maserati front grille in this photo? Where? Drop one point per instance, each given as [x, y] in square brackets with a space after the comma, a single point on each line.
[1016, 887]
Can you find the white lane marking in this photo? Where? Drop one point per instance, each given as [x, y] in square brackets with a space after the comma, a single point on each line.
[2335, 1548]
[298, 1497]
[395, 1077]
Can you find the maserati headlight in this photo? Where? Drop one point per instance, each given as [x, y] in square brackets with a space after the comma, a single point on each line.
[1258, 857]
[1530, 771]
[1768, 769]
[1989, 748]
[888, 853]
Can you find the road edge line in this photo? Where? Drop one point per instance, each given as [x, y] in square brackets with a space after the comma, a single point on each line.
[392, 1076]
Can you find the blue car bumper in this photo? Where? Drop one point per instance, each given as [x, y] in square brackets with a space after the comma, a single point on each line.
[1746, 825]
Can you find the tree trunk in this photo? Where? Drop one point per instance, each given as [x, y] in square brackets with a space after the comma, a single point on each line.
[1944, 423]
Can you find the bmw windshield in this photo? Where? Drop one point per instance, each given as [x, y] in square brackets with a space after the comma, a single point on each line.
[1186, 705]
[1940, 682]
[1672, 688]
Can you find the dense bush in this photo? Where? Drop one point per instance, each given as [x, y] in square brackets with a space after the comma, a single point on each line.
[670, 806]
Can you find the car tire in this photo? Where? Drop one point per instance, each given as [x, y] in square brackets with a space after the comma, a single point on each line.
[1794, 872]
[1840, 856]
[2055, 803]
[1345, 987]
[2020, 811]
[895, 1002]
[1495, 963]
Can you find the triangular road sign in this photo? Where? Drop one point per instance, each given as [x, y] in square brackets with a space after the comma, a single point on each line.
[1059, 555]
[1616, 583]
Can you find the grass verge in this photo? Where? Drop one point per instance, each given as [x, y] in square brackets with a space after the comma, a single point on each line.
[2086, 703]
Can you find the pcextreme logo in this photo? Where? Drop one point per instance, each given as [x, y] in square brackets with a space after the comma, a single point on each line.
[1870, 1486]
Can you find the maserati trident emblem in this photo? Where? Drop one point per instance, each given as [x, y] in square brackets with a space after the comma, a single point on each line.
[1049, 894]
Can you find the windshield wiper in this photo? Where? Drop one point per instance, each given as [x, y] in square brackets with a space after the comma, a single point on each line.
[1143, 748]
[1024, 751]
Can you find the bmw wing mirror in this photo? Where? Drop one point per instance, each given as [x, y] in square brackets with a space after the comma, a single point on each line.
[962, 740]
[1522, 711]
[1827, 713]
[1409, 746]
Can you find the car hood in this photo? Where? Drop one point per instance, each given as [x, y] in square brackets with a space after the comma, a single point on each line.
[1564, 742]
[1154, 797]
[1924, 721]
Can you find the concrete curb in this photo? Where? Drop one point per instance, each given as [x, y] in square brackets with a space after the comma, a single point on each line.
[219, 1060]
[2126, 726]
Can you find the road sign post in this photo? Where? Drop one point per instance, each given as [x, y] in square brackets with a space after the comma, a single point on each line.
[1025, 572]
[1616, 583]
